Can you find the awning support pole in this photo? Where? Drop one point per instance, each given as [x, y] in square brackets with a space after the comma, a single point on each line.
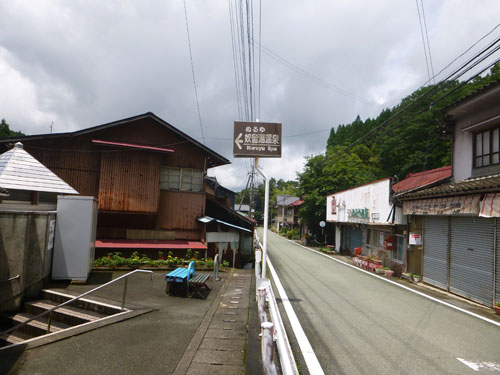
[266, 215]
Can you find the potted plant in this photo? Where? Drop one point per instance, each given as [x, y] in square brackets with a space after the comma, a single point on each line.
[497, 308]
[417, 278]
[381, 270]
[389, 273]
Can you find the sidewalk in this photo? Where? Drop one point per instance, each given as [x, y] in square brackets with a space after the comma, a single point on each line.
[180, 335]
[218, 347]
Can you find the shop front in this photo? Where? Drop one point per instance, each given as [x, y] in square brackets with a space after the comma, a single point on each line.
[460, 245]
[367, 218]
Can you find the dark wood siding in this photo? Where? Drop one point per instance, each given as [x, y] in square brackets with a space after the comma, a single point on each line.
[130, 181]
[179, 210]
[149, 132]
[74, 161]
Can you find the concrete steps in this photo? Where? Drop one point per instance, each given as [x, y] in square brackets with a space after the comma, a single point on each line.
[74, 314]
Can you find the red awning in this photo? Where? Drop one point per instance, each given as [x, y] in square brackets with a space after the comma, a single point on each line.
[131, 145]
[149, 244]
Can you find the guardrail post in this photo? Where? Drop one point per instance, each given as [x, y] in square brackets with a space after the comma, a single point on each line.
[267, 348]
[261, 304]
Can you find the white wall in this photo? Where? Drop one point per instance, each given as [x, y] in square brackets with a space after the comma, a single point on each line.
[370, 200]
[462, 152]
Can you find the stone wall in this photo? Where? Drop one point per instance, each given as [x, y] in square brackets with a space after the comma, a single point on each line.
[24, 251]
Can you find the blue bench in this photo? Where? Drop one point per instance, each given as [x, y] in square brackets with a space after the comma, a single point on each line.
[179, 279]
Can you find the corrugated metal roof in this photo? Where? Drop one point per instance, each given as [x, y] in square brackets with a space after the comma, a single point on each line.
[213, 158]
[421, 179]
[19, 170]
[285, 200]
[472, 185]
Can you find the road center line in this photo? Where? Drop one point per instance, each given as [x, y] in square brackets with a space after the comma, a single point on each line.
[399, 285]
[312, 362]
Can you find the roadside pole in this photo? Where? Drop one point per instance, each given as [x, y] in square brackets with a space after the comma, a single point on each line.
[258, 139]
[266, 215]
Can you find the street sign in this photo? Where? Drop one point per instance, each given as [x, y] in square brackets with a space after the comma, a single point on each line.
[257, 139]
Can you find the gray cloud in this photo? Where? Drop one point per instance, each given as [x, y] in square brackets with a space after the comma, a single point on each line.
[84, 63]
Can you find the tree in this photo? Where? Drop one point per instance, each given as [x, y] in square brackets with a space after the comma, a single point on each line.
[6, 132]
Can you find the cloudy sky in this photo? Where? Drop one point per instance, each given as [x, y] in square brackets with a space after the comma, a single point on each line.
[81, 63]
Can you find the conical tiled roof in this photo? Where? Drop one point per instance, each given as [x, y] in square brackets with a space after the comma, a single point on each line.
[19, 170]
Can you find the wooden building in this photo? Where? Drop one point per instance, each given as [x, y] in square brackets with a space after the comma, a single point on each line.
[148, 177]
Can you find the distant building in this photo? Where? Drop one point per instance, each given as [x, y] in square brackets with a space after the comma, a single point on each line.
[286, 211]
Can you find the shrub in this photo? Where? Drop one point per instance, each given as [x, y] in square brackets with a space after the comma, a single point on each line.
[293, 234]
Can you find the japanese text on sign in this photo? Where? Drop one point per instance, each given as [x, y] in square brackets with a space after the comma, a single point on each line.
[257, 139]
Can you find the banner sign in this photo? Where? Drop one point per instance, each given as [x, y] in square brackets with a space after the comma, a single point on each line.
[461, 205]
[490, 206]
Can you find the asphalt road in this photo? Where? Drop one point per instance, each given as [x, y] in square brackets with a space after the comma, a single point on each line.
[359, 324]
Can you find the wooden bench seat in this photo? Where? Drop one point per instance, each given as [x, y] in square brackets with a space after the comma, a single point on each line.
[197, 283]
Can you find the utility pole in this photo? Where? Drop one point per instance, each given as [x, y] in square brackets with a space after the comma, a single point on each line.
[252, 182]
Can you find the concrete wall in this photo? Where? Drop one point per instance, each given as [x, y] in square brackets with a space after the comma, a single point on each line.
[366, 204]
[24, 250]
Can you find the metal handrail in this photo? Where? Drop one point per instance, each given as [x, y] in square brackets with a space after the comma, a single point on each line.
[77, 298]
[11, 278]
[265, 292]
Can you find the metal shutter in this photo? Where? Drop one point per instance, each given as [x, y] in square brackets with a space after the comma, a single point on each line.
[435, 269]
[497, 262]
[471, 258]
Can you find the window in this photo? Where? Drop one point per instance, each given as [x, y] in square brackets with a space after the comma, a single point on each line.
[486, 148]
[375, 238]
[181, 179]
[398, 247]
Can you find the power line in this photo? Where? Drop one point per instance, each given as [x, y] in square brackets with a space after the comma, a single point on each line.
[192, 70]
[235, 64]
[260, 53]
[427, 38]
[309, 75]
[423, 41]
[464, 52]
[453, 76]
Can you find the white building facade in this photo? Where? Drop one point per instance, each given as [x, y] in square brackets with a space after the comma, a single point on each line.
[366, 217]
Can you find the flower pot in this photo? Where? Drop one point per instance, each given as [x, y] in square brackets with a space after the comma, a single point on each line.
[417, 279]
[380, 271]
[389, 273]
[497, 309]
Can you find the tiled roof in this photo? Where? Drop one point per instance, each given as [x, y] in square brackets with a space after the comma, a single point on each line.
[19, 170]
[473, 94]
[469, 186]
[422, 179]
[285, 200]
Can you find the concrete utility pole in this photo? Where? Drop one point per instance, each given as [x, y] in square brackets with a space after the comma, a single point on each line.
[266, 216]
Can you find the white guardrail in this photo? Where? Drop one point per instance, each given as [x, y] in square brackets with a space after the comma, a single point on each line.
[272, 328]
